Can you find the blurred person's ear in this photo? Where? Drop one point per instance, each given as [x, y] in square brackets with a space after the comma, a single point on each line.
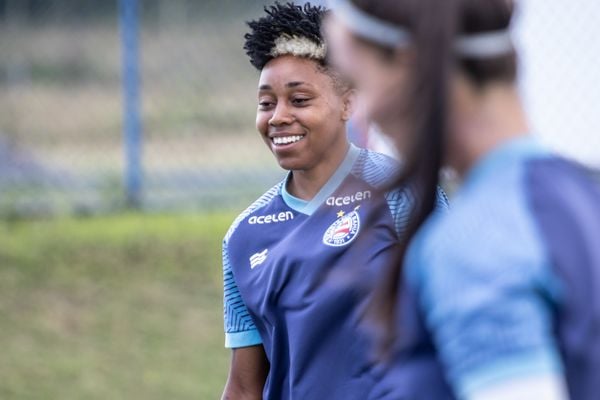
[463, 94]
[349, 104]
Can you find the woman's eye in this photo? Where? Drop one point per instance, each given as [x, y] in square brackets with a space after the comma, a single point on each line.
[300, 101]
[265, 104]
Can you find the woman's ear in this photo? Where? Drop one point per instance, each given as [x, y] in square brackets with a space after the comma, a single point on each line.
[348, 104]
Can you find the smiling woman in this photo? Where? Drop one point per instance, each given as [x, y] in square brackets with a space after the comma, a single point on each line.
[301, 116]
[291, 322]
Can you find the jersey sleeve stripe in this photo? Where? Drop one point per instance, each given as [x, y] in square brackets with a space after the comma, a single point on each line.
[240, 329]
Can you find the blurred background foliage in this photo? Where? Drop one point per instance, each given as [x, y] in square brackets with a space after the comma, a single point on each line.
[121, 307]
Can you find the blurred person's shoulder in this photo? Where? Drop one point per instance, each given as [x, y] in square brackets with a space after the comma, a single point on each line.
[562, 179]
[564, 201]
[490, 219]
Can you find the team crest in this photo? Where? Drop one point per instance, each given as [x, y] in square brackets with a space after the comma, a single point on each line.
[343, 230]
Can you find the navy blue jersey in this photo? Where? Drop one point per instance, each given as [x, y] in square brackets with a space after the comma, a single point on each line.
[291, 270]
[505, 285]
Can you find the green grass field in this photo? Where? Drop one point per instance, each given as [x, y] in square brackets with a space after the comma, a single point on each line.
[121, 307]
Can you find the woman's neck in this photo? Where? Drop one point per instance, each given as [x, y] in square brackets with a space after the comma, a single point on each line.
[495, 117]
[305, 184]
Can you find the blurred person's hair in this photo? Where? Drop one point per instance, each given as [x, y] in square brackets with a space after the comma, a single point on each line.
[434, 27]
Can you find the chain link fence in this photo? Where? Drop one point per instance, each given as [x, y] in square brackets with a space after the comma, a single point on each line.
[560, 74]
[61, 107]
[62, 147]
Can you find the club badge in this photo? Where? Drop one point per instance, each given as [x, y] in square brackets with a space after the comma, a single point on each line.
[343, 230]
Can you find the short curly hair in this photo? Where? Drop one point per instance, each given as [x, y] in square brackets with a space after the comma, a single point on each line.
[290, 22]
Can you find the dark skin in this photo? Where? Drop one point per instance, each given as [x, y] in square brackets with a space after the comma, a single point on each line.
[299, 102]
[296, 98]
[247, 374]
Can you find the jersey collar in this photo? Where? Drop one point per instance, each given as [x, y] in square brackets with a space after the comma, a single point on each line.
[309, 207]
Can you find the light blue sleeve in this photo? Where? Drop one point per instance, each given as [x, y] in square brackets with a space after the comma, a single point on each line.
[240, 330]
[489, 310]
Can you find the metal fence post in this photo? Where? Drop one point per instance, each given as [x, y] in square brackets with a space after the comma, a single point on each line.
[132, 126]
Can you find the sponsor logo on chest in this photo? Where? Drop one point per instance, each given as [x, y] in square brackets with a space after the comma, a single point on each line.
[343, 230]
[271, 218]
[346, 200]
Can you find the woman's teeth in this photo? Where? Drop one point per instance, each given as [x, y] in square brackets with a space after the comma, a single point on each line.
[287, 139]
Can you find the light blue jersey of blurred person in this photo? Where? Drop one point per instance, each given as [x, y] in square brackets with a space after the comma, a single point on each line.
[497, 299]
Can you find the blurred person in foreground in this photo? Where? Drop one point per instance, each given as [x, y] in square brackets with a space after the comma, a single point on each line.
[290, 320]
[500, 297]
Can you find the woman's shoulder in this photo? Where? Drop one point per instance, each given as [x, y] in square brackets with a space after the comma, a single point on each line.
[259, 203]
[376, 169]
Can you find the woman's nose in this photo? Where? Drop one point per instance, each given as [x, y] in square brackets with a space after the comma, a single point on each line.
[281, 115]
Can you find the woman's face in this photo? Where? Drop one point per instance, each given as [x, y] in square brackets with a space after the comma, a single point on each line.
[301, 116]
[381, 79]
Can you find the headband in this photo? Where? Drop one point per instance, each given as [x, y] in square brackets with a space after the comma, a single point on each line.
[477, 45]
